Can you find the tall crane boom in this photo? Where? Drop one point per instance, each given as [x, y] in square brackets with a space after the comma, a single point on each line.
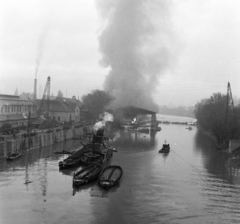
[229, 100]
[45, 98]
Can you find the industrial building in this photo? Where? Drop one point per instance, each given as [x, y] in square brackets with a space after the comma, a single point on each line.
[60, 109]
[14, 110]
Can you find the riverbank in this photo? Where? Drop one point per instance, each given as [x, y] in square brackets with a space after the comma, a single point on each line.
[41, 140]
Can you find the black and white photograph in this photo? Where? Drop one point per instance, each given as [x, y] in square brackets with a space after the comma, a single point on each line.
[119, 111]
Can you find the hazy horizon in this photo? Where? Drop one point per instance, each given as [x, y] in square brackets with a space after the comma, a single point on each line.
[168, 52]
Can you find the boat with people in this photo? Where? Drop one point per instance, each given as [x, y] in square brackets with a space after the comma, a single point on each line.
[13, 156]
[189, 128]
[110, 176]
[165, 148]
[86, 175]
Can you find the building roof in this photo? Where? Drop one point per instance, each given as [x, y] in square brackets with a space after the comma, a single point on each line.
[54, 106]
[133, 111]
[59, 104]
[5, 96]
[70, 103]
[14, 100]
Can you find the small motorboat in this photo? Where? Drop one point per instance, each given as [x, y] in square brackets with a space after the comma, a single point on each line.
[189, 128]
[87, 175]
[13, 156]
[110, 176]
[165, 148]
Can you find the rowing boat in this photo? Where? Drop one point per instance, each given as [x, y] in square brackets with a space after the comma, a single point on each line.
[110, 176]
[86, 175]
[13, 156]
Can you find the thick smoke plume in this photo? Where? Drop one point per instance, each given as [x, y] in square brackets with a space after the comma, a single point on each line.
[136, 46]
[40, 48]
[105, 117]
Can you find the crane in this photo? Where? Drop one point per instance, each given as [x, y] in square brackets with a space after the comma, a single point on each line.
[229, 100]
[45, 98]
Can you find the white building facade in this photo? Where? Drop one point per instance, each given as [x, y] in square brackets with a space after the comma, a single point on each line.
[15, 111]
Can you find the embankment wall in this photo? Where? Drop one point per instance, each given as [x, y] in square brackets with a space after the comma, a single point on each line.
[41, 140]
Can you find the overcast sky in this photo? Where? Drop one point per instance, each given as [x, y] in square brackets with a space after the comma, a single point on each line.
[60, 39]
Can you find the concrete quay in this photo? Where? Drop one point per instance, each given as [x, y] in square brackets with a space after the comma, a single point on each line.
[42, 139]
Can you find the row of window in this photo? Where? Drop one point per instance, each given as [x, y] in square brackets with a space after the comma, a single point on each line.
[14, 109]
[63, 118]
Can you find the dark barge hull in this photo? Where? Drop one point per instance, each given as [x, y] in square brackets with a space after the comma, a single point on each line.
[86, 175]
[110, 176]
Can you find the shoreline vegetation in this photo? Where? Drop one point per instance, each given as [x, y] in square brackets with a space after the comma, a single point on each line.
[220, 119]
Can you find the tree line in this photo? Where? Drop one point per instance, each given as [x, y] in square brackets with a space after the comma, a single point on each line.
[219, 117]
[214, 115]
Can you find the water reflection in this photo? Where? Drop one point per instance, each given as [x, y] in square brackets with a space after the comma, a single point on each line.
[135, 139]
[42, 172]
[194, 183]
[70, 171]
[83, 187]
[221, 182]
[164, 155]
[216, 162]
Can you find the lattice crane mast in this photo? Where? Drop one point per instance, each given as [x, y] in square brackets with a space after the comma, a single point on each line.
[229, 101]
[45, 102]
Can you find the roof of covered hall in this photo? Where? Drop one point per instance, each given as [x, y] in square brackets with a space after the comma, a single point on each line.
[133, 111]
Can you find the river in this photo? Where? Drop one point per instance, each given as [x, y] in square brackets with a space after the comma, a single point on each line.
[194, 183]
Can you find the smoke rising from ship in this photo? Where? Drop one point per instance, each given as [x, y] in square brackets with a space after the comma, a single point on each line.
[105, 117]
[136, 46]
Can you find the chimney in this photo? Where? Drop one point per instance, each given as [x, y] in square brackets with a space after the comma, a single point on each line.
[35, 89]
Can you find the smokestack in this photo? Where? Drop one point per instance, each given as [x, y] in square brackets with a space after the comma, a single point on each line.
[35, 89]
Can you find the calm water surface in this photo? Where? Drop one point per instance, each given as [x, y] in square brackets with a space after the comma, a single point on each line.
[194, 183]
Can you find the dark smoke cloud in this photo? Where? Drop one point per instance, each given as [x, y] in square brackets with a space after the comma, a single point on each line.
[135, 44]
[40, 48]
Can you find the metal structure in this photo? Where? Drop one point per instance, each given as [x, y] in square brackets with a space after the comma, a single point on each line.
[45, 102]
[229, 101]
[132, 112]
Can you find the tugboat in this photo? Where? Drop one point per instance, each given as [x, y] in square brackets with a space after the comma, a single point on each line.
[165, 148]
